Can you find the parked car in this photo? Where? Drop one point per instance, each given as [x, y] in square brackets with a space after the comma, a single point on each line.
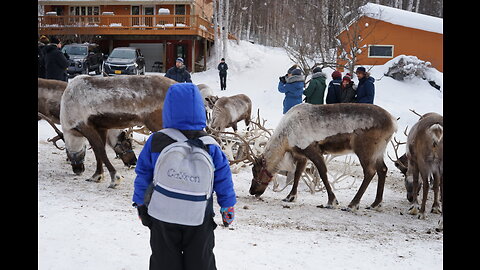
[125, 60]
[83, 58]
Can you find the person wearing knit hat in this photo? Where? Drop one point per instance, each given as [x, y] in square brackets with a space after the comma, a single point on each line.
[366, 87]
[179, 72]
[222, 71]
[334, 90]
[315, 91]
[292, 85]
[55, 61]
[347, 94]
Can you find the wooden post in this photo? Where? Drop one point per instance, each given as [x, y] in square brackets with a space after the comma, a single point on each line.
[204, 54]
[164, 66]
[193, 54]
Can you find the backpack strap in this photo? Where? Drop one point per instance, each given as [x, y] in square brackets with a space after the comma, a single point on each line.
[209, 140]
[174, 134]
[178, 136]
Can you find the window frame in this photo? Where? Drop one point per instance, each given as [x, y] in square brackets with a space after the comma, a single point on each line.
[381, 56]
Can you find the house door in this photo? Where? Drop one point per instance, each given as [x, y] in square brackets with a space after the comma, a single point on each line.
[181, 51]
[148, 12]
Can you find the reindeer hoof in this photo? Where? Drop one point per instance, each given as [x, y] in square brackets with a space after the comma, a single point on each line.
[96, 178]
[378, 207]
[290, 198]
[352, 209]
[413, 210]
[421, 216]
[115, 181]
[436, 210]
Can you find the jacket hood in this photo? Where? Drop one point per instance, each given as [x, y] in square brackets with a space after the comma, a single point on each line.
[183, 108]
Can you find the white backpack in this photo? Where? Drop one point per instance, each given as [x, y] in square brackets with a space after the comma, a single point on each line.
[182, 180]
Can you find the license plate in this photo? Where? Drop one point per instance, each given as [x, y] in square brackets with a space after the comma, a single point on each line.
[118, 72]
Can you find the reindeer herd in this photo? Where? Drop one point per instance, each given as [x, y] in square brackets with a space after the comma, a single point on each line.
[97, 110]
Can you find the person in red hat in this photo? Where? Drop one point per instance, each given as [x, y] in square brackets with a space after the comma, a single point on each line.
[348, 93]
[334, 90]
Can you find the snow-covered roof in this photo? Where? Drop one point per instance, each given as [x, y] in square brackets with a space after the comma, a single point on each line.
[403, 17]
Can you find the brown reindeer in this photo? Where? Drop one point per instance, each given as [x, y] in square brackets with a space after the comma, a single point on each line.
[49, 96]
[92, 105]
[228, 111]
[308, 131]
[424, 153]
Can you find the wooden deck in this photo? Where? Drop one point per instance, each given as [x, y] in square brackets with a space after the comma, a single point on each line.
[126, 25]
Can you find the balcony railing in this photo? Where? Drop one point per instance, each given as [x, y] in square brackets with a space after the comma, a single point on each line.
[126, 24]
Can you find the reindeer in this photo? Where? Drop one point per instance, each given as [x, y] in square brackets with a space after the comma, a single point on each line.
[228, 111]
[208, 99]
[92, 105]
[308, 131]
[424, 153]
[49, 96]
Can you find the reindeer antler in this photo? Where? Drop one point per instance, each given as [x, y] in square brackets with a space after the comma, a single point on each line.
[250, 156]
[56, 138]
[396, 145]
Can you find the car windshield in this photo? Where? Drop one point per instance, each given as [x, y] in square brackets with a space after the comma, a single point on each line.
[75, 50]
[125, 54]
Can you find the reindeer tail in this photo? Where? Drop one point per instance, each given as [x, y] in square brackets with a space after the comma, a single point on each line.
[436, 133]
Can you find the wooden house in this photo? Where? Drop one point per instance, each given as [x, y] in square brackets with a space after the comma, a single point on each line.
[381, 33]
[162, 29]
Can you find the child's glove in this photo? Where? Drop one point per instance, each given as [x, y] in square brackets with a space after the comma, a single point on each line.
[144, 216]
[228, 214]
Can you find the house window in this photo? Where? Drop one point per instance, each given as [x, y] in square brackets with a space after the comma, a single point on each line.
[86, 11]
[380, 51]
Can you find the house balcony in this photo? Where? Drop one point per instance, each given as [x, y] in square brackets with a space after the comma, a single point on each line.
[126, 25]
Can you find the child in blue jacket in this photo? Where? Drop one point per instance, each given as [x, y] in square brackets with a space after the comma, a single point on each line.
[176, 246]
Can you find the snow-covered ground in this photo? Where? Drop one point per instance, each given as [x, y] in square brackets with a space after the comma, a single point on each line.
[85, 225]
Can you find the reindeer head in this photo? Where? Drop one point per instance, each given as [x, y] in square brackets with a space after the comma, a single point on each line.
[123, 149]
[76, 160]
[211, 100]
[261, 177]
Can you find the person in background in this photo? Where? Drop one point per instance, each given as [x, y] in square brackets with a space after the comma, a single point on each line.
[348, 93]
[315, 91]
[42, 42]
[222, 67]
[366, 87]
[55, 61]
[333, 94]
[179, 72]
[292, 85]
[176, 246]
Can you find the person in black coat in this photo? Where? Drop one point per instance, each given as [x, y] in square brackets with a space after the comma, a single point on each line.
[334, 90]
[179, 72]
[55, 61]
[348, 94]
[43, 41]
[222, 67]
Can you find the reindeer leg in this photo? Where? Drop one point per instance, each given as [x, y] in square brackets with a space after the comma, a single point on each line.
[98, 146]
[317, 158]
[424, 174]
[382, 174]
[413, 210]
[368, 173]
[436, 188]
[292, 196]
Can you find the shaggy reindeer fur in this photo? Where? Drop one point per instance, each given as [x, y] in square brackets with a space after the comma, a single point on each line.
[92, 105]
[309, 131]
[228, 111]
[424, 152]
[49, 96]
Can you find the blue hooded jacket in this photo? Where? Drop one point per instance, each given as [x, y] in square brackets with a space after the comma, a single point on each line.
[183, 109]
[366, 90]
[293, 90]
